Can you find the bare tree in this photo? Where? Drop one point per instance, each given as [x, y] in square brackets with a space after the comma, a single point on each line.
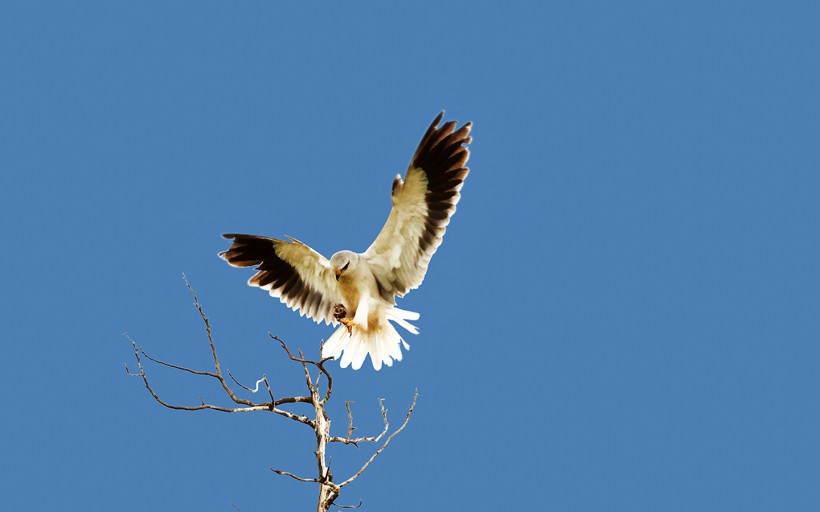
[329, 489]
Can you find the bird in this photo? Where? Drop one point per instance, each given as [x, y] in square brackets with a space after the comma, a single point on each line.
[357, 291]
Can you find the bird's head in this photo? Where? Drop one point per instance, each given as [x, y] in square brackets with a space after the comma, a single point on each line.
[343, 261]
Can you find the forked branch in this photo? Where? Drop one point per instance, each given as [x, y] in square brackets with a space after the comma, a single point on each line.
[387, 442]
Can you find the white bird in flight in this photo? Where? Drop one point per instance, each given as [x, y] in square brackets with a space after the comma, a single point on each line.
[358, 290]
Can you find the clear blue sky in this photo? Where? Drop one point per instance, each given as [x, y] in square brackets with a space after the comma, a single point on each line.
[623, 315]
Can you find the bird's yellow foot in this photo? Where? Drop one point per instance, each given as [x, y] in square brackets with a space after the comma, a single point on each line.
[347, 323]
[340, 314]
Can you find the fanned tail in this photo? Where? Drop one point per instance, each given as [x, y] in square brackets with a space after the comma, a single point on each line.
[401, 317]
[383, 343]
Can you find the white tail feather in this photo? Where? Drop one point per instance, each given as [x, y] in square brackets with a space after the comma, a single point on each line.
[383, 344]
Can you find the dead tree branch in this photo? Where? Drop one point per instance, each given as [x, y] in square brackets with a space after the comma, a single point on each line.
[350, 506]
[351, 428]
[285, 473]
[320, 423]
[387, 442]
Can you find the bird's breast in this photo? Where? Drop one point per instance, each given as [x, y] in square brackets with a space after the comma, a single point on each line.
[357, 286]
[350, 292]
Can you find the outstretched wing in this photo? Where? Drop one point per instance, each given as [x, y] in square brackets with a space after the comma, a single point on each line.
[293, 272]
[422, 206]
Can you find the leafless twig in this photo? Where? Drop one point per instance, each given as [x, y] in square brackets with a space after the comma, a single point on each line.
[350, 427]
[137, 351]
[368, 439]
[349, 506]
[285, 473]
[246, 388]
[387, 442]
[318, 364]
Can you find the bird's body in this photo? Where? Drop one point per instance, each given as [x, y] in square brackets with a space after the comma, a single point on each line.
[358, 289]
[368, 328]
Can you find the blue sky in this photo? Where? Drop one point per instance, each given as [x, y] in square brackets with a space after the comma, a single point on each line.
[623, 315]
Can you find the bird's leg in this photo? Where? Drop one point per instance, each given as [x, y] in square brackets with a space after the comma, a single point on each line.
[340, 314]
[348, 324]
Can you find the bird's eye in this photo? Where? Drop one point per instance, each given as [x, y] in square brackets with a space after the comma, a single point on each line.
[345, 267]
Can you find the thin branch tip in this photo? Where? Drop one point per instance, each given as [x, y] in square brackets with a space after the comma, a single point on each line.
[350, 506]
[386, 442]
[299, 478]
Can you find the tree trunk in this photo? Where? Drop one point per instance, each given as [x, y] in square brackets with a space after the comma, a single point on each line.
[327, 495]
[328, 491]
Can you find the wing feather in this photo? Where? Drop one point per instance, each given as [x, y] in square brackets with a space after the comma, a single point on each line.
[422, 207]
[291, 271]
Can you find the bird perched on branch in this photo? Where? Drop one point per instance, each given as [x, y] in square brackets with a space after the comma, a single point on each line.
[358, 290]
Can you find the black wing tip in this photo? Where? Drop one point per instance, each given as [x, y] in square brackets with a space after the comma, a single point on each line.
[440, 116]
[438, 119]
[441, 142]
[248, 250]
[237, 237]
[449, 128]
